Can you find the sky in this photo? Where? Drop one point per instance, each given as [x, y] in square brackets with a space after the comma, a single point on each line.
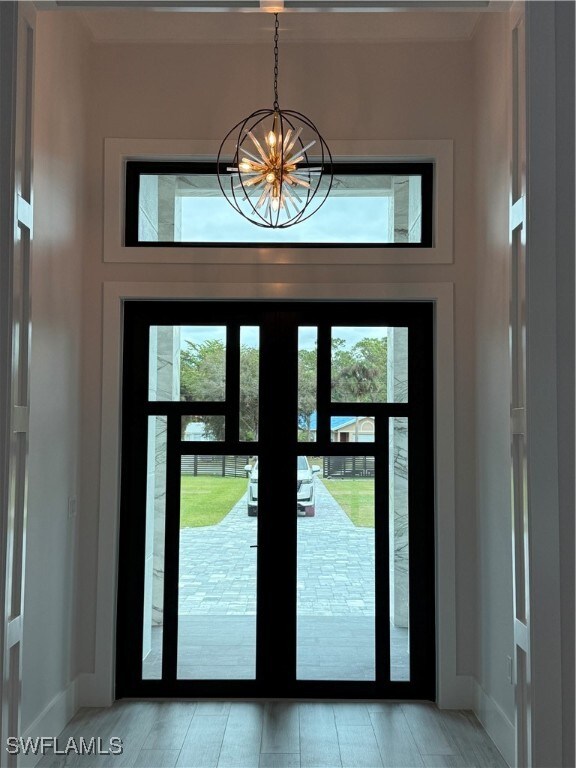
[249, 335]
[341, 219]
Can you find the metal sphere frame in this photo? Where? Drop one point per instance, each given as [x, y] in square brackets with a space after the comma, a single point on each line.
[278, 169]
[299, 203]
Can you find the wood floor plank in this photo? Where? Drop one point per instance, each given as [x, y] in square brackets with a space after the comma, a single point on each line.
[471, 739]
[358, 746]
[280, 735]
[395, 741]
[213, 707]
[425, 723]
[132, 727]
[318, 736]
[51, 761]
[203, 742]
[243, 736]
[281, 731]
[280, 760]
[351, 714]
[75, 728]
[170, 725]
[88, 722]
[449, 761]
[488, 756]
[157, 758]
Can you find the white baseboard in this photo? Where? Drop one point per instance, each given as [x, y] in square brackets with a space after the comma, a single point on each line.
[51, 721]
[496, 723]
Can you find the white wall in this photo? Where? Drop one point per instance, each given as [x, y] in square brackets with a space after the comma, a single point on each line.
[352, 91]
[493, 601]
[550, 375]
[565, 340]
[58, 246]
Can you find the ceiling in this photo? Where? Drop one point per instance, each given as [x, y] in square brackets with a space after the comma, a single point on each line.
[143, 26]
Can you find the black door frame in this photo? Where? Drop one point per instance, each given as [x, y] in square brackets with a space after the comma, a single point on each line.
[276, 625]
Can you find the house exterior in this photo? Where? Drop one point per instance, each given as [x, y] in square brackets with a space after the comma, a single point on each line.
[348, 429]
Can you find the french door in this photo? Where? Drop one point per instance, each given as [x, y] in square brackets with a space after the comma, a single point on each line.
[277, 508]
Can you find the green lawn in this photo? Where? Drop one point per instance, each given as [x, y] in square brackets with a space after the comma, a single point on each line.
[207, 500]
[356, 497]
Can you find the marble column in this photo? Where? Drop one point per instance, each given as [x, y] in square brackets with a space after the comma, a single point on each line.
[164, 384]
[407, 209]
[169, 210]
[160, 209]
[400, 188]
[148, 209]
[415, 210]
[398, 471]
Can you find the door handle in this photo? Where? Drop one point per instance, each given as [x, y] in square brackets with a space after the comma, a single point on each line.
[253, 546]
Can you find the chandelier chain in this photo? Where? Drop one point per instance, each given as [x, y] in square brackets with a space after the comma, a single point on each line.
[276, 28]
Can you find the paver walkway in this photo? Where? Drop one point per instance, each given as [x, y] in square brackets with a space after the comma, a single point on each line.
[217, 600]
[335, 564]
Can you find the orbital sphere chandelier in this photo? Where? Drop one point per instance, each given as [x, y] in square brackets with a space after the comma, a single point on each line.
[274, 181]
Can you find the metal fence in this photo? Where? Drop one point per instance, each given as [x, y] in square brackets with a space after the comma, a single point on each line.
[348, 466]
[218, 466]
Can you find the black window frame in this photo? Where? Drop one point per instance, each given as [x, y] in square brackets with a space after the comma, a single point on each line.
[135, 168]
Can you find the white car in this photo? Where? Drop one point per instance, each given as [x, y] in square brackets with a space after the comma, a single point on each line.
[306, 496]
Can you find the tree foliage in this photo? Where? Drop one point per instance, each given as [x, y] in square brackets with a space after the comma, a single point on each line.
[203, 378]
[358, 375]
[307, 376]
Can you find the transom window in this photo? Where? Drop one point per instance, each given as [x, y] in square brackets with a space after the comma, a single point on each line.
[371, 204]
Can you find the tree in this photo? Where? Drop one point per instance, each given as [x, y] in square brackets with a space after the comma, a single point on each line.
[203, 378]
[307, 383]
[359, 374]
[249, 392]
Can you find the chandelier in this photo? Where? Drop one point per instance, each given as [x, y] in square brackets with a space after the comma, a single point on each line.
[274, 181]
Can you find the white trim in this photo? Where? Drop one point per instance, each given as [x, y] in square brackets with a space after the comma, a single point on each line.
[496, 724]
[97, 689]
[51, 721]
[117, 151]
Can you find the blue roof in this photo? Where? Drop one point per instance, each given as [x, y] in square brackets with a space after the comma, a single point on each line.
[335, 421]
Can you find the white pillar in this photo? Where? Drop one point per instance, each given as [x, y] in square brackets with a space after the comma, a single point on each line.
[164, 384]
[398, 472]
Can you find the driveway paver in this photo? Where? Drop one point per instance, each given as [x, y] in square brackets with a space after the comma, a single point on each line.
[335, 564]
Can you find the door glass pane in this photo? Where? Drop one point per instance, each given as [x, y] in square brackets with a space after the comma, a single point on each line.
[352, 429]
[399, 552]
[369, 364]
[203, 428]
[187, 362]
[307, 382]
[335, 570]
[154, 553]
[217, 580]
[249, 382]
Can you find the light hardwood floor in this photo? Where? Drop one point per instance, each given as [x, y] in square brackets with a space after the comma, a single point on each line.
[237, 734]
